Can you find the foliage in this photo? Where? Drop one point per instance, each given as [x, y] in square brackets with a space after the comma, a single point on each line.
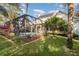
[56, 23]
[9, 10]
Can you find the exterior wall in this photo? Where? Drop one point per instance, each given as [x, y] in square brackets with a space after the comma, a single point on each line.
[76, 26]
[63, 16]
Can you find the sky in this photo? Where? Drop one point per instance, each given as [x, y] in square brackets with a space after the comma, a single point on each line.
[37, 9]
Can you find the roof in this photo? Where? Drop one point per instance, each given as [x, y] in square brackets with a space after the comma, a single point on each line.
[52, 14]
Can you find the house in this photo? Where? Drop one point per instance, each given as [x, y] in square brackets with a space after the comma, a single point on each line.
[62, 15]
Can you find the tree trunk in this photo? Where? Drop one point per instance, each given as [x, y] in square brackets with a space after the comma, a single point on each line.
[70, 25]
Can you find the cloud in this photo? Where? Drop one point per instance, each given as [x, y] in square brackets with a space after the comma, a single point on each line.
[61, 6]
[51, 11]
[38, 12]
[76, 6]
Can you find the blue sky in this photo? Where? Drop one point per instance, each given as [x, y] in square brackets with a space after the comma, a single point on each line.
[37, 9]
[41, 8]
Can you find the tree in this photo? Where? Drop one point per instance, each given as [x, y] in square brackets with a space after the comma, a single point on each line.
[56, 23]
[70, 24]
[12, 10]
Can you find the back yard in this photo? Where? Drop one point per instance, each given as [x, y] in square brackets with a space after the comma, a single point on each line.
[51, 45]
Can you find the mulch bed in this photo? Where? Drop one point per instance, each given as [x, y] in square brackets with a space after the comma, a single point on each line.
[31, 38]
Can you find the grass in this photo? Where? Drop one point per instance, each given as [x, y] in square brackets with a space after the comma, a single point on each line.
[4, 43]
[51, 46]
[18, 40]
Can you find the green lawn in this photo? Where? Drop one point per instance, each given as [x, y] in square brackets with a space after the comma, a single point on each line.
[52, 45]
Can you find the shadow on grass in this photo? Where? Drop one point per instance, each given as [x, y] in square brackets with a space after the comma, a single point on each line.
[52, 46]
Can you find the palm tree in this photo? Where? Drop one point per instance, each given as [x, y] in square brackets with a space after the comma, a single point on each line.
[27, 16]
[11, 9]
[70, 24]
